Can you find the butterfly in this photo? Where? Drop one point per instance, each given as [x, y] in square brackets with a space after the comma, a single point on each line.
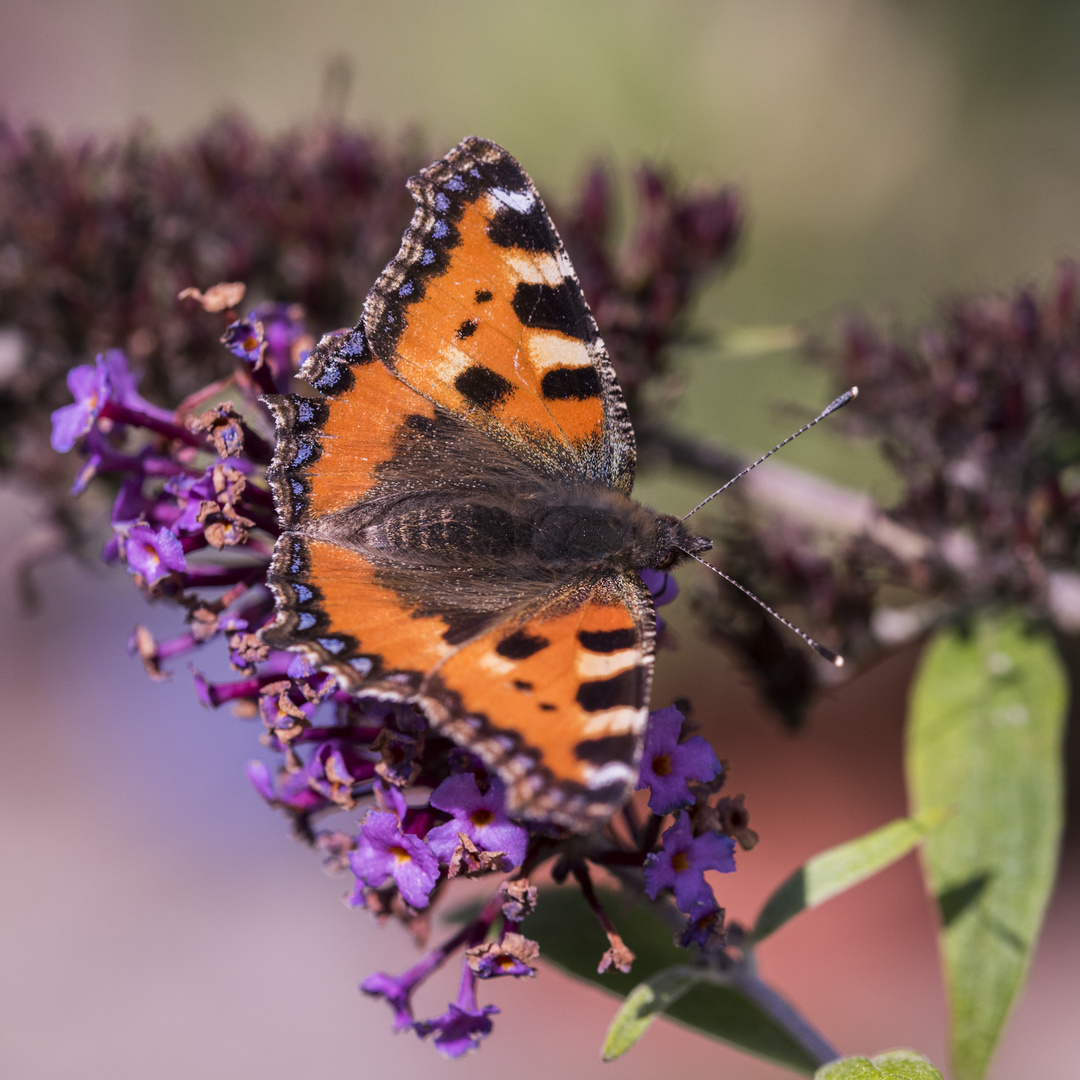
[457, 526]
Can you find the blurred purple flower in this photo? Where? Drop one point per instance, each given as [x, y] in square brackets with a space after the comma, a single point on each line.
[462, 1027]
[705, 926]
[681, 863]
[667, 765]
[663, 586]
[154, 555]
[89, 385]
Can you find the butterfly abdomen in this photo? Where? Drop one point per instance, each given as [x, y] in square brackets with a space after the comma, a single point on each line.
[459, 531]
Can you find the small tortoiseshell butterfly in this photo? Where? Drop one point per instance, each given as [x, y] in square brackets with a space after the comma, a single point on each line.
[458, 530]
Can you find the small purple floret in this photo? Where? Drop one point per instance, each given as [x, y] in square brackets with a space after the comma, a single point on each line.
[667, 765]
[89, 385]
[396, 990]
[701, 927]
[383, 851]
[662, 585]
[463, 1025]
[681, 863]
[93, 387]
[244, 339]
[123, 383]
[482, 818]
[458, 1030]
[152, 554]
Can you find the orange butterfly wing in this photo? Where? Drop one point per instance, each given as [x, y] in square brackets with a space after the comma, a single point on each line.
[482, 313]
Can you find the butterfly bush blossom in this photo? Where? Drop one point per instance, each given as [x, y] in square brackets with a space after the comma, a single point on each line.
[193, 522]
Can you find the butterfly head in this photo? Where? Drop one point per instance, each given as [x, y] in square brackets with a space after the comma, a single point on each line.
[675, 542]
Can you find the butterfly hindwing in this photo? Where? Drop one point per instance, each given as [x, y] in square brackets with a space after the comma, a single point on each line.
[482, 313]
[332, 607]
[557, 700]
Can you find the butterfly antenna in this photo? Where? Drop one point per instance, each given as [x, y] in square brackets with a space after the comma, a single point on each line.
[834, 658]
[839, 403]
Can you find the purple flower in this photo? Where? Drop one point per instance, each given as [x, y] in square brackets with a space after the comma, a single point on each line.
[514, 955]
[93, 388]
[384, 851]
[705, 927]
[190, 492]
[681, 863]
[667, 765]
[397, 990]
[244, 339]
[463, 1025]
[268, 336]
[123, 383]
[291, 790]
[152, 554]
[482, 818]
[89, 386]
[663, 586]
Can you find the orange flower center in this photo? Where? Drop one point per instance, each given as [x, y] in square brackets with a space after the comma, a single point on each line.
[400, 853]
[482, 817]
[680, 862]
[661, 764]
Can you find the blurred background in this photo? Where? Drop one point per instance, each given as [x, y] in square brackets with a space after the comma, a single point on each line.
[157, 920]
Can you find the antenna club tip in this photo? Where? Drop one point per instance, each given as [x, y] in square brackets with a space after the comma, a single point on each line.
[854, 391]
[838, 661]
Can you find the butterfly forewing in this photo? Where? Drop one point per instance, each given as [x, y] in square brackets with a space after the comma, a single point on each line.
[482, 313]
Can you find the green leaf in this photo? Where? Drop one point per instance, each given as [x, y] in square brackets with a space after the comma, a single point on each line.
[984, 735]
[833, 871]
[893, 1065]
[644, 1003]
[570, 937]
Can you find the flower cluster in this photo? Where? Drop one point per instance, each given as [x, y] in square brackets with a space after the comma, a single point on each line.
[192, 522]
[980, 417]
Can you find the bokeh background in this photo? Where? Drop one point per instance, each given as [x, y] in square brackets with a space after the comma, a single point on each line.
[155, 919]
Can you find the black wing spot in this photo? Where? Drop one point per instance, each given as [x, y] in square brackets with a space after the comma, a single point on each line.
[547, 706]
[483, 387]
[626, 688]
[466, 329]
[562, 384]
[607, 749]
[483, 295]
[521, 645]
[529, 231]
[521, 684]
[608, 641]
[553, 307]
